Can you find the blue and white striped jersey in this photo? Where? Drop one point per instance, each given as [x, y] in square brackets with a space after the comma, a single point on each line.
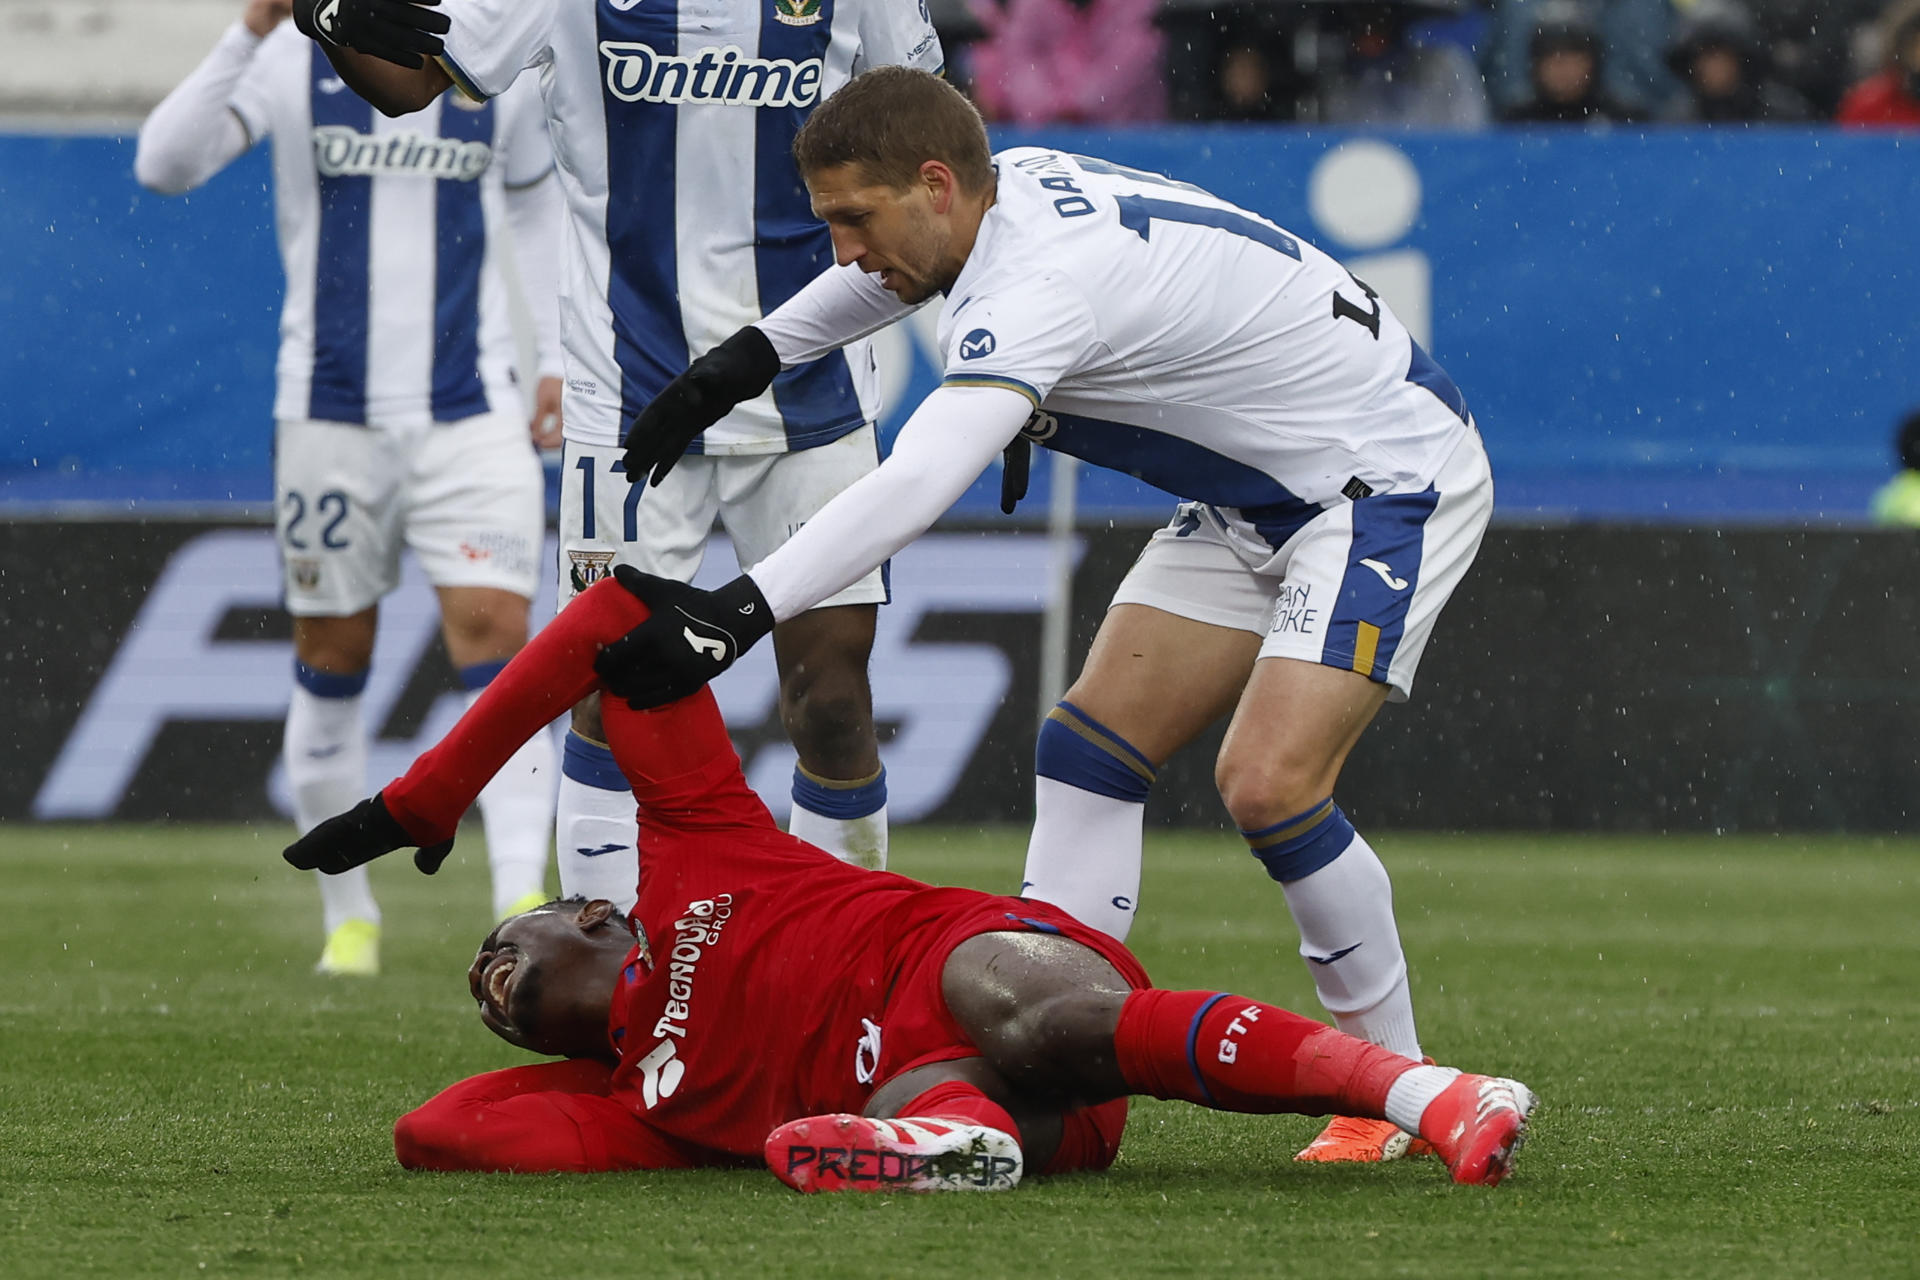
[672, 122]
[392, 314]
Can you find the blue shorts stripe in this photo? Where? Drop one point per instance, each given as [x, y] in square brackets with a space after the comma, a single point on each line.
[338, 391]
[460, 247]
[591, 763]
[643, 291]
[1383, 572]
[817, 401]
[839, 800]
[1193, 1045]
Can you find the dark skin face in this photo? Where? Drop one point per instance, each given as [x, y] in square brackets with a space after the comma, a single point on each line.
[545, 980]
[916, 239]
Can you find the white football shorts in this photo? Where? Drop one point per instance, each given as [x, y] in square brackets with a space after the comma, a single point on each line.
[762, 499]
[1358, 587]
[468, 497]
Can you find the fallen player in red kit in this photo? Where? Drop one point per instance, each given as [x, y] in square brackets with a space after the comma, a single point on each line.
[855, 1029]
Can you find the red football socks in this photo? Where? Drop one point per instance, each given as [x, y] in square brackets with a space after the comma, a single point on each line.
[1233, 1054]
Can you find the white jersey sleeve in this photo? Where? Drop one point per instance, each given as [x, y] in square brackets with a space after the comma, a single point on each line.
[492, 41]
[842, 304]
[209, 119]
[941, 450]
[1026, 337]
[898, 33]
[523, 135]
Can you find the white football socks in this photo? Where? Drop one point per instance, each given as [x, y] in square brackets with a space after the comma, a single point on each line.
[1352, 947]
[847, 819]
[1407, 1097]
[1084, 855]
[596, 827]
[326, 759]
[517, 810]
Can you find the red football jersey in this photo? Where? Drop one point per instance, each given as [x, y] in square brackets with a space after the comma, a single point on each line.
[784, 983]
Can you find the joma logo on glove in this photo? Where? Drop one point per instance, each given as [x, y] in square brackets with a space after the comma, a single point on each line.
[714, 649]
[327, 15]
[726, 76]
[340, 152]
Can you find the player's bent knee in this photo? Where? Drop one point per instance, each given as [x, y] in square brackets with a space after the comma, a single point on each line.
[1061, 1044]
[1259, 794]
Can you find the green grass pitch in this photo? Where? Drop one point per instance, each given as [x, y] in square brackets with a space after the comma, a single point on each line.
[1723, 1031]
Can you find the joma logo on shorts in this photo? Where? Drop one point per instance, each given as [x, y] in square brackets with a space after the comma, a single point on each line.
[726, 76]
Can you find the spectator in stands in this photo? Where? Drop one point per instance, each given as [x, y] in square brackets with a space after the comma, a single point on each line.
[1388, 79]
[1632, 34]
[1890, 98]
[1043, 61]
[1724, 71]
[1566, 71]
[1816, 45]
[1898, 501]
[1247, 88]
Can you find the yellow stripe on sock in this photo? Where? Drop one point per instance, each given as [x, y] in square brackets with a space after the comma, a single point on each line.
[1101, 741]
[1305, 822]
[837, 784]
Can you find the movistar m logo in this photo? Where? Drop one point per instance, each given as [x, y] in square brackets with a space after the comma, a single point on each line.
[725, 76]
[339, 152]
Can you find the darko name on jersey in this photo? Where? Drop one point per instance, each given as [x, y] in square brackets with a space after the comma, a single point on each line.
[339, 152]
[724, 77]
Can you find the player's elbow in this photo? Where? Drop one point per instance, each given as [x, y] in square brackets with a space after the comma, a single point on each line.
[427, 1138]
[395, 95]
[159, 173]
[395, 105]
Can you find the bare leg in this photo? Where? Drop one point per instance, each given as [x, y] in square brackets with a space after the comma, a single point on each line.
[826, 705]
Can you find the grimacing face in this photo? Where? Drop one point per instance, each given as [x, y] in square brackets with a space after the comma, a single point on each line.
[898, 235]
[522, 971]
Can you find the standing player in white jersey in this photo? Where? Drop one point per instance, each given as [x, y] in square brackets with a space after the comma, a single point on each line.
[672, 123]
[397, 421]
[1337, 493]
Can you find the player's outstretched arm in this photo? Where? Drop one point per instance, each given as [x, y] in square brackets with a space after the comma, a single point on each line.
[694, 635]
[383, 49]
[552, 673]
[838, 306]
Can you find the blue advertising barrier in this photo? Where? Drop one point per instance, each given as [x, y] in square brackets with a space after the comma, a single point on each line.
[1689, 326]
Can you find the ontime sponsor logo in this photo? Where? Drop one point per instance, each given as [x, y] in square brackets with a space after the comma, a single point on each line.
[725, 76]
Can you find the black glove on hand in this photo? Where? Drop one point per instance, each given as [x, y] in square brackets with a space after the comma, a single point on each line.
[738, 369]
[691, 637]
[358, 836]
[1015, 464]
[400, 31]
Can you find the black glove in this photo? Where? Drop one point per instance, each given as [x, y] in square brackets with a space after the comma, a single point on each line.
[738, 369]
[691, 637]
[400, 31]
[358, 836]
[1015, 464]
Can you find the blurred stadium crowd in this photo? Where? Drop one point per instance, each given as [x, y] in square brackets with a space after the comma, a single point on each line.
[1454, 64]
[1447, 64]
